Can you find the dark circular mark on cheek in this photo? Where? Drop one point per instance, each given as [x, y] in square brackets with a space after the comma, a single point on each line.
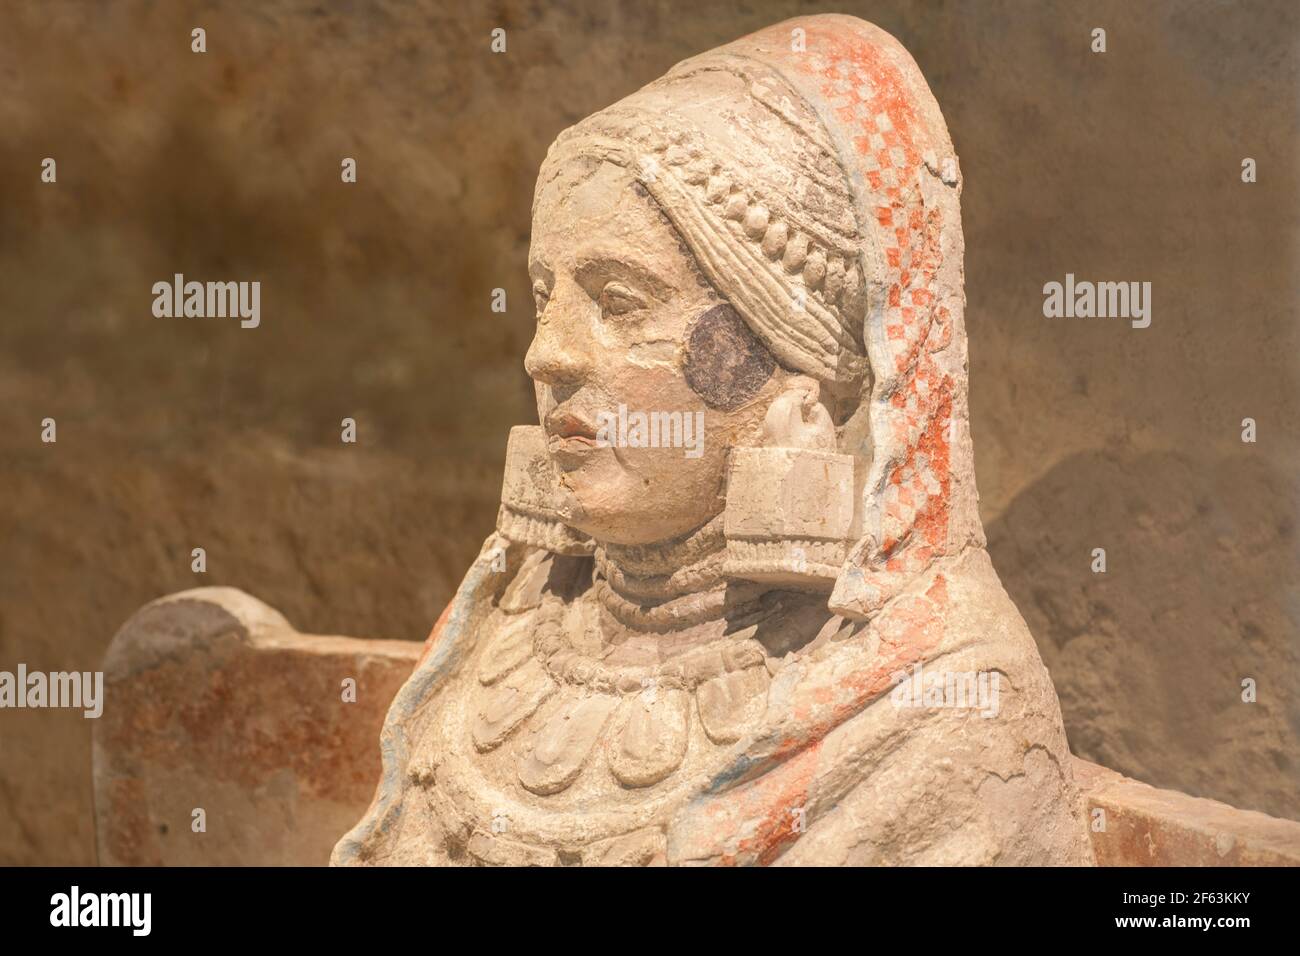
[726, 364]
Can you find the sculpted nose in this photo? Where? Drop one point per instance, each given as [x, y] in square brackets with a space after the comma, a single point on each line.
[560, 353]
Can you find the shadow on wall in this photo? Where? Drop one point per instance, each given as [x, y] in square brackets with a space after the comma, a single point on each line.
[1198, 595]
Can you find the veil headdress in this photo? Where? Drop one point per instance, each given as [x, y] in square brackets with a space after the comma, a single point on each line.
[810, 173]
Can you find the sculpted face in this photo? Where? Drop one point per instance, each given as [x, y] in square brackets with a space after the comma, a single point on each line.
[633, 352]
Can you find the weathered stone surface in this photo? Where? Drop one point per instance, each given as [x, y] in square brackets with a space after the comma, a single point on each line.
[730, 703]
[1144, 826]
[650, 738]
[512, 647]
[507, 705]
[563, 744]
[214, 702]
[493, 850]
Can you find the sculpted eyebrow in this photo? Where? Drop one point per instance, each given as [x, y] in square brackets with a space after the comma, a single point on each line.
[592, 269]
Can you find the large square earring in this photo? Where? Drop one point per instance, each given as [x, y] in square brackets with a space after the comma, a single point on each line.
[788, 516]
[789, 508]
[529, 513]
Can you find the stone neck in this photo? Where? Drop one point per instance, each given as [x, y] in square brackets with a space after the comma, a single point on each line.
[670, 585]
[664, 569]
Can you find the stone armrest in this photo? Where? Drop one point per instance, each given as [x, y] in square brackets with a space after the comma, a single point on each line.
[213, 702]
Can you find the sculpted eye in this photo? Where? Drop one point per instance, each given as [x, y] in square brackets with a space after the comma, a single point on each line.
[618, 299]
[540, 295]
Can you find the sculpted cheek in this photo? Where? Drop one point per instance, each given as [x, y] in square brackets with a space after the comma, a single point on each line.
[726, 364]
[660, 354]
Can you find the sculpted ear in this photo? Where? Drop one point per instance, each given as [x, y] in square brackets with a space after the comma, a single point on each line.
[726, 364]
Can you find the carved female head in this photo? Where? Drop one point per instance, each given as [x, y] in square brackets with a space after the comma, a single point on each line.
[645, 374]
[762, 230]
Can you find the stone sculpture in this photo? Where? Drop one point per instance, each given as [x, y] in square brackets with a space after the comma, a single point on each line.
[737, 609]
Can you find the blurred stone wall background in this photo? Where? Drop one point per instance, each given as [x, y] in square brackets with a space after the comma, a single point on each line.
[175, 434]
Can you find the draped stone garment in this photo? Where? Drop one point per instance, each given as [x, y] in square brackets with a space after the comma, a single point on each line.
[827, 768]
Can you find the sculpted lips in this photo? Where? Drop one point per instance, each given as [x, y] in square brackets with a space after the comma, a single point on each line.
[569, 437]
[565, 424]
